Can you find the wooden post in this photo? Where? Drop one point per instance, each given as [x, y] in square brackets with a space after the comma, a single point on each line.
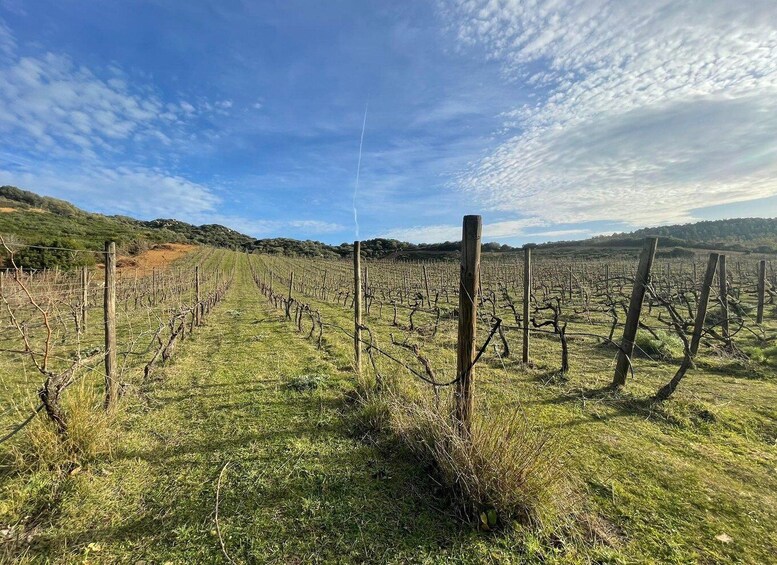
[761, 291]
[704, 297]
[357, 306]
[426, 284]
[527, 288]
[468, 304]
[723, 286]
[109, 309]
[153, 286]
[701, 313]
[197, 313]
[84, 298]
[635, 308]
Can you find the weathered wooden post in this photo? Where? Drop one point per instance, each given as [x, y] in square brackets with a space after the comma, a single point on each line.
[197, 298]
[84, 298]
[291, 295]
[426, 284]
[761, 291]
[641, 280]
[704, 298]
[468, 285]
[109, 309]
[698, 327]
[357, 306]
[527, 288]
[723, 286]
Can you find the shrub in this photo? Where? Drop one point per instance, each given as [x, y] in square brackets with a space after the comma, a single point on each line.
[53, 253]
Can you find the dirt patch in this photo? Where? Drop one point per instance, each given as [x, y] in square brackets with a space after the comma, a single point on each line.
[8, 210]
[158, 257]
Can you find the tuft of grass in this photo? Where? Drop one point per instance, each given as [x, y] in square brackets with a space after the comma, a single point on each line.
[304, 383]
[506, 471]
[665, 346]
[88, 437]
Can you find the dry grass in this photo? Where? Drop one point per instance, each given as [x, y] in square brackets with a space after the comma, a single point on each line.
[87, 439]
[507, 471]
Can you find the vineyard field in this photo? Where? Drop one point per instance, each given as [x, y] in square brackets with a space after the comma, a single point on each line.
[261, 438]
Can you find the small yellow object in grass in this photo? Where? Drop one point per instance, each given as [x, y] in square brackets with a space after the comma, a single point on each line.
[724, 538]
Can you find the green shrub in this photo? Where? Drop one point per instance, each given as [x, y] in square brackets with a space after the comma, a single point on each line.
[63, 254]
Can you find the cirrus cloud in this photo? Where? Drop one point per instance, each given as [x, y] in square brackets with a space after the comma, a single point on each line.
[645, 110]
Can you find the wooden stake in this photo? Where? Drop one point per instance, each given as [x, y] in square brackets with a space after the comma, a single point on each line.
[357, 306]
[635, 309]
[701, 314]
[761, 291]
[468, 281]
[527, 288]
[84, 298]
[109, 309]
[197, 312]
[723, 286]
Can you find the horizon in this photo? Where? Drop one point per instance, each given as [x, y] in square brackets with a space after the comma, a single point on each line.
[555, 122]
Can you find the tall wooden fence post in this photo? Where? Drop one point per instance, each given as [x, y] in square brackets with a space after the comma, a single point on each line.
[357, 306]
[701, 314]
[109, 308]
[426, 285]
[761, 291]
[641, 280]
[291, 295]
[468, 304]
[723, 285]
[527, 288]
[84, 298]
[197, 298]
[704, 298]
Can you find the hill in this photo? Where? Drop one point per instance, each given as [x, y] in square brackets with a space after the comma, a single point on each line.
[40, 220]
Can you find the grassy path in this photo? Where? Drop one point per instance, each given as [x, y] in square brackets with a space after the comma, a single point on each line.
[299, 486]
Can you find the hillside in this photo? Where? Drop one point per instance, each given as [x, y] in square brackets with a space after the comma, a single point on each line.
[41, 219]
[34, 219]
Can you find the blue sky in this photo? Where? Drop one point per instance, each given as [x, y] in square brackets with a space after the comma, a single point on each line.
[553, 119]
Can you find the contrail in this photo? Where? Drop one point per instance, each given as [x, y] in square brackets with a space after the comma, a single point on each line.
[358, 169]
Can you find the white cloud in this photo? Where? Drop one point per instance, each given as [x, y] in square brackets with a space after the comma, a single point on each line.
[7, 41]
[137, 192]
[647, 109]
[559, 233]
[447, 232]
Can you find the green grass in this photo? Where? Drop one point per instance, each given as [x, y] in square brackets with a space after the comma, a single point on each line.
[306, 481]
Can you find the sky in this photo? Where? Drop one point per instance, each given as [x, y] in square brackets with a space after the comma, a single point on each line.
[552, 119]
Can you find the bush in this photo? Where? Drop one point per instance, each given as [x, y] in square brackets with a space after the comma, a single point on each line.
[63, 254]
